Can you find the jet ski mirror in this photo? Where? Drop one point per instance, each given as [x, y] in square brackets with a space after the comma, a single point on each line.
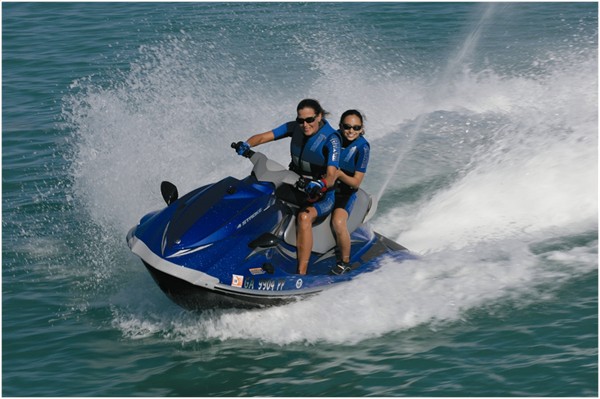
[266, 240]
[169, 192]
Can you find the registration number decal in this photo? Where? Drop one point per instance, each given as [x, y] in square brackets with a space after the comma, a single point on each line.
[271, 285]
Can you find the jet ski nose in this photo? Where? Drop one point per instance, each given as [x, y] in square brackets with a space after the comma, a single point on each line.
[130, 236]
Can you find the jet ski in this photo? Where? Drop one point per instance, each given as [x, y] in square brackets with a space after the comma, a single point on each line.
[232, 244]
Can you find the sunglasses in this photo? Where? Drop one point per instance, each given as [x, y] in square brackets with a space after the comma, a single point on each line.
[310, 119]
[356, 128]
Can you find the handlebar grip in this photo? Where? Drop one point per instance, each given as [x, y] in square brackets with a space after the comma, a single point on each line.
[302, 182]
[247, 154]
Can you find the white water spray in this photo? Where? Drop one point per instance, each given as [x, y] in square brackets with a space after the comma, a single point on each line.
[440, 89]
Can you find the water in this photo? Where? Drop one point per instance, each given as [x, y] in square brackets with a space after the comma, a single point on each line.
[483, 126]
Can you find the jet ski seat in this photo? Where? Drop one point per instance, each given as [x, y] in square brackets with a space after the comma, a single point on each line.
[323, 236]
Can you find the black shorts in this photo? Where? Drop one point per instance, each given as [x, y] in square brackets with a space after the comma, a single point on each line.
[345, 201]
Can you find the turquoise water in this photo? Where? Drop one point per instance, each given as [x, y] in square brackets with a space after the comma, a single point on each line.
[483, 126]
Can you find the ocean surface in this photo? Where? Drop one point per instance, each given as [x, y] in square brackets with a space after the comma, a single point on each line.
[483, 124]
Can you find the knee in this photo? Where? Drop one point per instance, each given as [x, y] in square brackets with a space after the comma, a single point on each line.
[304, 219]
[339, 224]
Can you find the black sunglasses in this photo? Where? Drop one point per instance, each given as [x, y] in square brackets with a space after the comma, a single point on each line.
[356, 128]
[310, 119]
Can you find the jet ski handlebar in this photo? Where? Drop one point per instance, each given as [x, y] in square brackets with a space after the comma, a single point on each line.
[266, 169]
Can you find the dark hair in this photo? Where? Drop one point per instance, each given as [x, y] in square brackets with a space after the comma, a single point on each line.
[355, 113]
[314, 104]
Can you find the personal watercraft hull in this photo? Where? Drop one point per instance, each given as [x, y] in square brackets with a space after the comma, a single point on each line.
[193, 297]
[260, 286]
[232, 244]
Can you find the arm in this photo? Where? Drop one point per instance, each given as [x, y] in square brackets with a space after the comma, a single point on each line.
[334, 148]
[332, 175]
[352, 181]
[261, 138]
[361, 168]
[242, 148]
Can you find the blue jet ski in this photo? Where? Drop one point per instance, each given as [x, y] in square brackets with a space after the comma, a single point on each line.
[232, 244]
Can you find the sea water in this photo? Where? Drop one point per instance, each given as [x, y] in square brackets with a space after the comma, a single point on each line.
[483, 125]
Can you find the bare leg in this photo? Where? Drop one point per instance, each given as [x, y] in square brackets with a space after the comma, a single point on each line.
[340, 226]
[304, 238]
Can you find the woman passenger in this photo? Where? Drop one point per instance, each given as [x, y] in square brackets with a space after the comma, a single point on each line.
[353, 166]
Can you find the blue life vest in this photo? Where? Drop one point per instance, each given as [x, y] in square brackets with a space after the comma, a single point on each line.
[311, 155]
[354, 158]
